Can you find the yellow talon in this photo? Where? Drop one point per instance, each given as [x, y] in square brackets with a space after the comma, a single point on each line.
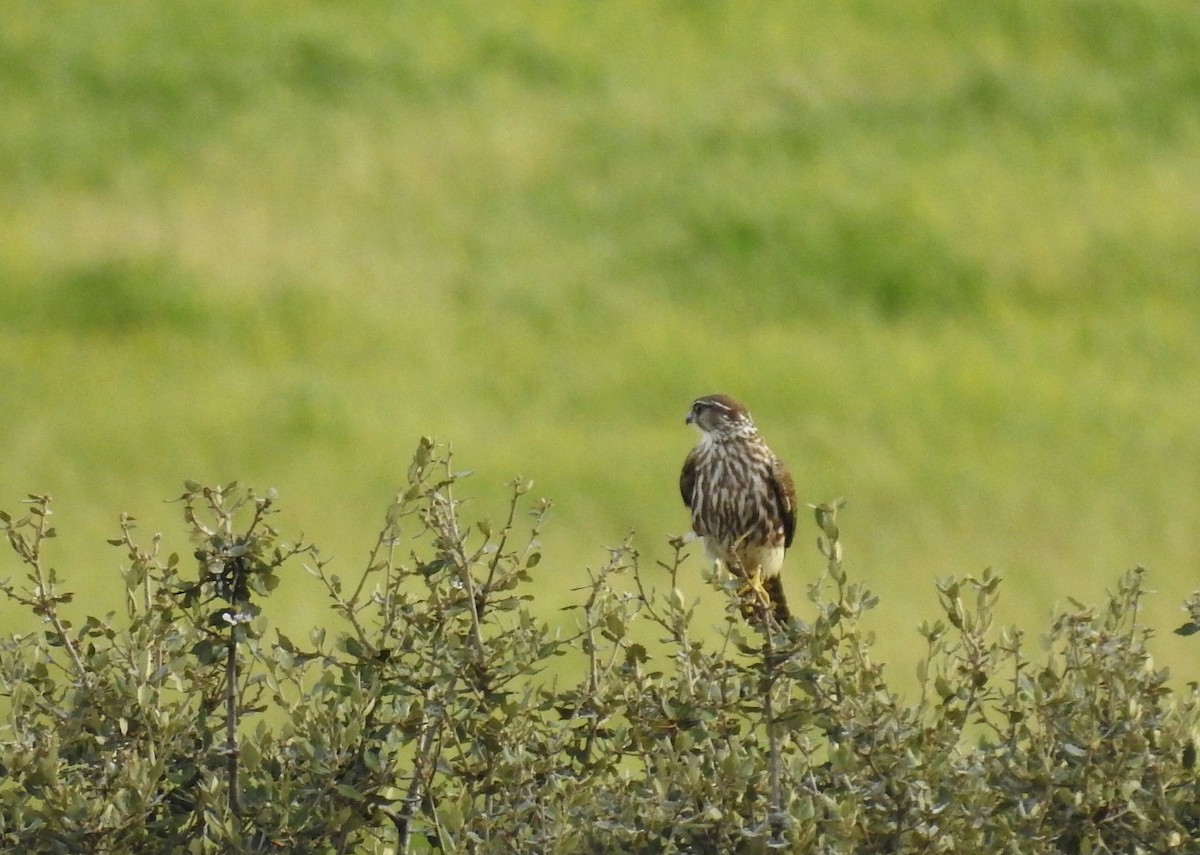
[754, 585]
[754, 594]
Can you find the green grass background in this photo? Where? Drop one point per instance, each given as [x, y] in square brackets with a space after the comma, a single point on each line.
[947, 252]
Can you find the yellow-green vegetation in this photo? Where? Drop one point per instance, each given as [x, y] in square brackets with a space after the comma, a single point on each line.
[946, 252]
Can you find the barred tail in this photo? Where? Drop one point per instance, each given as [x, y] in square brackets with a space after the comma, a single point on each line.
[773, 585]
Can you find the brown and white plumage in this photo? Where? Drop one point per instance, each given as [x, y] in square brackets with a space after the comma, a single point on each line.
[741, 496]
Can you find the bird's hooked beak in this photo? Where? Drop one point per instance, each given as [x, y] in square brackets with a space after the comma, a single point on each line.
[691, 418]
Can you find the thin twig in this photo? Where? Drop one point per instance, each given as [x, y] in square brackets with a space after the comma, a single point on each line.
[231, 744]
[45, 600]
[776, 816]
[424, 763]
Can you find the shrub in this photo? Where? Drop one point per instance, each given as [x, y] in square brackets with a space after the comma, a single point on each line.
[424, 717]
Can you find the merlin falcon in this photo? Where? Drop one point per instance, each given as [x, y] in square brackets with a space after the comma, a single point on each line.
[742, 499]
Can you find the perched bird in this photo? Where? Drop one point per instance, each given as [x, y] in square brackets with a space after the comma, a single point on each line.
[741, 496]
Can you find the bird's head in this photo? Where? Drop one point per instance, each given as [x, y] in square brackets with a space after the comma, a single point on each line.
[719, 416]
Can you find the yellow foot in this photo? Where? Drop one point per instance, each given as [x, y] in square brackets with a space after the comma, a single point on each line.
[753, 584]
[754, 594]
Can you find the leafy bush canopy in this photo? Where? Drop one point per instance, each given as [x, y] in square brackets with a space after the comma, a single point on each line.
[425, 716]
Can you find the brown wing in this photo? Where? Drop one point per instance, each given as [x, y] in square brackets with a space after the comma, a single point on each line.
[687, 478]
[785, 499]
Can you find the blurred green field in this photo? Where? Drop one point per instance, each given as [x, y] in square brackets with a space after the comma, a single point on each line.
[948, 253]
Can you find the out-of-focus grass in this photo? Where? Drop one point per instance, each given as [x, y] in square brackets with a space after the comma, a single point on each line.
[947, 253]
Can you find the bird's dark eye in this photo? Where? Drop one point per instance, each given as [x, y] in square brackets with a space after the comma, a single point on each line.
[697, 409]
